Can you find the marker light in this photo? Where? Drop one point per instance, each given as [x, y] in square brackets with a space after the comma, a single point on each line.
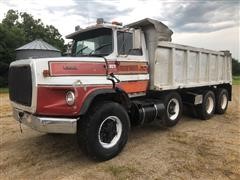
[117, 23]
[100, 20]
[70, 98]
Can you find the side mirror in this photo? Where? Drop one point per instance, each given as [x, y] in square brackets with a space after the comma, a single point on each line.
[137, 43]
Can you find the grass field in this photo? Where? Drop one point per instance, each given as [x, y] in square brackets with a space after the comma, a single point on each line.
[236, 80]
[4, 90]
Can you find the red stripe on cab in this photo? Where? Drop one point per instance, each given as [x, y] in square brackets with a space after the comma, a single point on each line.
[96, 68]
[76, 68]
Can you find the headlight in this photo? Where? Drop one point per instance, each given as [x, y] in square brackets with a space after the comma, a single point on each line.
[70, 98]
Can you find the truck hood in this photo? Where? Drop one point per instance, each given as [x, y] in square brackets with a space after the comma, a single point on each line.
[42, 60]
[38, 66]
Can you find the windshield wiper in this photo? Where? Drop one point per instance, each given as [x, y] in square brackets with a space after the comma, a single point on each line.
[80, 50]
[100, 47]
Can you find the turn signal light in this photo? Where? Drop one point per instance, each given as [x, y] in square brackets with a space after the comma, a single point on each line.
[46, 73]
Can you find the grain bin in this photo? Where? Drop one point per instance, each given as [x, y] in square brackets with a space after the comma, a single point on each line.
[37, 49]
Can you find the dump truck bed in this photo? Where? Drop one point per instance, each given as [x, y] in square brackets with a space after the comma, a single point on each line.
[178, 66]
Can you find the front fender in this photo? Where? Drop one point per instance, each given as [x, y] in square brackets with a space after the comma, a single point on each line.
[114, 92]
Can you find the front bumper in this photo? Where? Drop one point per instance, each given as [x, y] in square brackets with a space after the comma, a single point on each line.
[46, 124]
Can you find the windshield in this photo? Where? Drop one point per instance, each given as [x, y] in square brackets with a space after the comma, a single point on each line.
[93, 42]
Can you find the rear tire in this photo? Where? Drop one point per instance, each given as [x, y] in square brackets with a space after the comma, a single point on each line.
[103, 132]
[173, 109]
[221, 101]
[206, 110]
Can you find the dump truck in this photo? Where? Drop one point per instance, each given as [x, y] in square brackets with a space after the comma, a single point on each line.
[118, 77]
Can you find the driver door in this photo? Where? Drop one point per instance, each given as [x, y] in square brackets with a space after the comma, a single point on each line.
[131, 65]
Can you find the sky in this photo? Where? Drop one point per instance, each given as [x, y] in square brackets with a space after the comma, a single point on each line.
[212, 24]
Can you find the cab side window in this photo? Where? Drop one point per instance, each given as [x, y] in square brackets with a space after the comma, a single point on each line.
[124, 42]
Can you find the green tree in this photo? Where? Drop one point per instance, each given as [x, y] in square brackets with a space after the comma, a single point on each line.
[35, 29]
[235, 67]
[11, 18]
[17, 29]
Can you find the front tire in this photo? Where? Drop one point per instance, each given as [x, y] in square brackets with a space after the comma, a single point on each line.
[103, 132]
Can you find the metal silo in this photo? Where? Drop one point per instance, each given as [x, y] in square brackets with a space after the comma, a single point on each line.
[37, 49]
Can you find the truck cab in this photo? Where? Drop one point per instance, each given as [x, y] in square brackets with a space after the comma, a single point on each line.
[120, 47]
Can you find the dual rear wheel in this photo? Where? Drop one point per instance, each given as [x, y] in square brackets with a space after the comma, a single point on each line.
[222, 101]
[213, 103]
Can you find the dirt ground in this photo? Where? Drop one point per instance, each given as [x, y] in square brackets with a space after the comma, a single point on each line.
[193, 149]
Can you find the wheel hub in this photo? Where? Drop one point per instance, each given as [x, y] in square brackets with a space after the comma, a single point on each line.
[173, 109]
[110, 131]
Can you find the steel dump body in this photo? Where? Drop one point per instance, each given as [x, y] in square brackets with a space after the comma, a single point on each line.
[174, 66]
[178, 66]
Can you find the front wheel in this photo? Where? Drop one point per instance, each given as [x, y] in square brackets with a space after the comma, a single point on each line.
[103, 132]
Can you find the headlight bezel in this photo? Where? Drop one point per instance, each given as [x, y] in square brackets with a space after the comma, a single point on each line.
[70, 98]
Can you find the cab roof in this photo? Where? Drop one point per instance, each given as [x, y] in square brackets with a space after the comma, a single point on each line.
[97, 26]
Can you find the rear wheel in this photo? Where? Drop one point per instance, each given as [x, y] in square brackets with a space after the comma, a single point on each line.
[221, 101]
[103, 132]
[207, 108]
[173, 109]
